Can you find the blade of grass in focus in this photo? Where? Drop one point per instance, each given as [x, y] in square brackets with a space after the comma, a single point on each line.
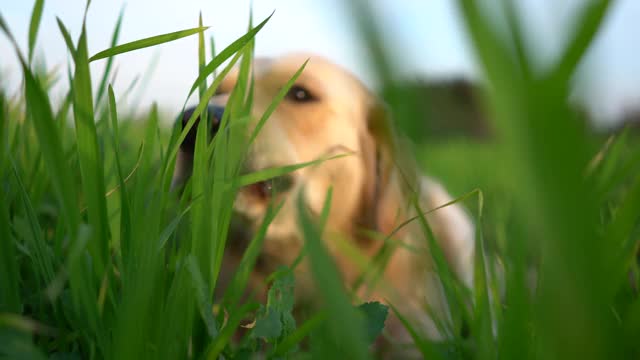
[226, 53]
[52, 148]
[125, 206]
[10, 300]
[239, 282]
[67, 37]
[144, 43]
[89, 156]
[102, 87]
[40, 255]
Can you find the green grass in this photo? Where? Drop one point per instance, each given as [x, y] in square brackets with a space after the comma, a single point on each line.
[99, 259]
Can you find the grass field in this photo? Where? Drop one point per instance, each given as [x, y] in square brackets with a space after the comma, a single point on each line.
[91, 266]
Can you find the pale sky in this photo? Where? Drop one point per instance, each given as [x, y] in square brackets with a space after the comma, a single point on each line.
[428, 34]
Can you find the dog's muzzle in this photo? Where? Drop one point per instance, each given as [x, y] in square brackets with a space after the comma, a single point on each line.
[263, 190]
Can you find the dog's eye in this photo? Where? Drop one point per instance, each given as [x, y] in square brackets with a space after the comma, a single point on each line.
[220, 91]
[300, 94]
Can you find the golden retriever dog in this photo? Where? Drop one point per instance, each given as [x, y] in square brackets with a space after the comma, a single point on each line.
[330, 112]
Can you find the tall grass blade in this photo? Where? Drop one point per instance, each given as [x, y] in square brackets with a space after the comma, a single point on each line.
[125, 206]
[275, 102]
[172, 227]
[227, 161]
[175, 145]
[548, 153]
[587, 27]
[67, 37]
[344, 334]
[147, 42]
[448, 280]
[52, 149]
[89, 157]
[175, 337]
[237, 285]
[36, 243]
[271, 173]
[83, 289]
[226, 53]
[620, 233]
[212, 48]
[514, 22]
[201, 241]
[107, 70]
[202, 292]
[34, 25]
[10, 300]
[201, 60]
[482, 326]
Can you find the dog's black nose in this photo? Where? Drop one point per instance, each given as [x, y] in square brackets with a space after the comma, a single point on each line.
[214, 115]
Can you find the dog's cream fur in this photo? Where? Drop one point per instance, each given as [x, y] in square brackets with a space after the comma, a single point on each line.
[371, 187]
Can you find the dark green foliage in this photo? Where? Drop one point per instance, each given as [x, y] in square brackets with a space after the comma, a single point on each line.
[375, 315]
[275, 320]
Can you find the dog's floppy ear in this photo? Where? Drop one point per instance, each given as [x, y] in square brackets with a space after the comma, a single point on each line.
[392, 181]
[184, 160]
[389, 174]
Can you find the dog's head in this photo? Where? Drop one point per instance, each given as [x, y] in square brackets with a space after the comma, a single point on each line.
[326, 112]
[329, 112]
